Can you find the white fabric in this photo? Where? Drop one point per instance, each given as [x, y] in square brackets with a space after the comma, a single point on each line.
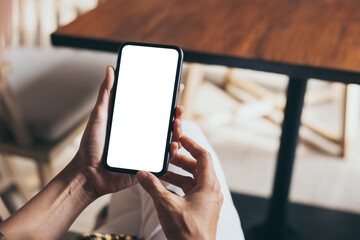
[132, 211]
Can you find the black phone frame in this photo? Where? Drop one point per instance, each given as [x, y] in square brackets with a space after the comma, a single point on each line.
[172, 113]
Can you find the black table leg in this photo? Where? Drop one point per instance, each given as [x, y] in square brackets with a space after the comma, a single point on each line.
[274, 227]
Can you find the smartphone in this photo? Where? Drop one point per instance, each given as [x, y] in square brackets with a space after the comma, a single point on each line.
[142, 110]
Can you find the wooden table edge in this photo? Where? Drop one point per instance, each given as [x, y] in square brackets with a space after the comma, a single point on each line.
[292, 70]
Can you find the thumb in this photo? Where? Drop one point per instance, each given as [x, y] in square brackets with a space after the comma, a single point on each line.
[151, 184]
[106, 86]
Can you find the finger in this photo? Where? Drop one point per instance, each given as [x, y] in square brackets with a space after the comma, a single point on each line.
[200, 154]
[99, 113]
[110, 85]
[181, 89]
[179, 112]
[173, 149]
[184, 162]
[102, 104]
[177, 131]
[106, 86]
[177, 125]
[110, 78]
[186, 183]
[152, 185]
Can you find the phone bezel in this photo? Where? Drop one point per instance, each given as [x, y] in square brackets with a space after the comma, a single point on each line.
[172, 111]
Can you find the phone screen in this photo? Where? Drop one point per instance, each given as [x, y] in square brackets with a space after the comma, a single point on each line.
[144, 101]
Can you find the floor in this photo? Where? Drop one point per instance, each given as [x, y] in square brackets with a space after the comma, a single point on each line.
[302, 221]
[247, 149]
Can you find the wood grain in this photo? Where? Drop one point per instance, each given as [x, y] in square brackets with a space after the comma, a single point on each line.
[311, 33]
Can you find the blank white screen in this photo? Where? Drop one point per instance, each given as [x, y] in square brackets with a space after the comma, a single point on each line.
[142, 108]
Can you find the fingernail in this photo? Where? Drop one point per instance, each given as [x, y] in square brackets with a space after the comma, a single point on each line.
[182, 86]
[142, 175]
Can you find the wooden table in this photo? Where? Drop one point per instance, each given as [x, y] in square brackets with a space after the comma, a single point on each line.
[302, 39]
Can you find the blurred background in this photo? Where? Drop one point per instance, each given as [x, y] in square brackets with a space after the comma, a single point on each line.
[239, 110]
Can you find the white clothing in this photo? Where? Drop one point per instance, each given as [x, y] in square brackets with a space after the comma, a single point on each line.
[132, 211]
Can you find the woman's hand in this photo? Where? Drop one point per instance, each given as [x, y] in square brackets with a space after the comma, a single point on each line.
[89, 156]
[194, 216]
[78, 184]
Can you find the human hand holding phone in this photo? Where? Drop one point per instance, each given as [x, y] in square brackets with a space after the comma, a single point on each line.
[52, 211]
[195, 215]
[89, 156]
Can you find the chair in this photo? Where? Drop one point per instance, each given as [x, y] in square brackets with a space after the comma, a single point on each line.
[45, 101]
[4, 212]
[12, 195]
[260, 101]
[23, 105]
[321, 136]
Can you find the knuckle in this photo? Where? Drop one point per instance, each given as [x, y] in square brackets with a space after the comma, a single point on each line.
[217, 186]
[208, 155]
[214, 185]
[205, 154]
[220, 198]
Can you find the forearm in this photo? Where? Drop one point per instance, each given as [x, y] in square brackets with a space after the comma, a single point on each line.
[52, 211]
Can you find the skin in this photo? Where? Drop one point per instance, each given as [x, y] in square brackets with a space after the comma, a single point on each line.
[52, 211]
[194, 216]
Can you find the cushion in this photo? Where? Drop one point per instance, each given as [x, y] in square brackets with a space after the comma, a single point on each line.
[56, 88]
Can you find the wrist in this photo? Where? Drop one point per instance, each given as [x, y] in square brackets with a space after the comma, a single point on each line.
[188, 229]
[79, 182]
[198, 236]
[56, 206]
